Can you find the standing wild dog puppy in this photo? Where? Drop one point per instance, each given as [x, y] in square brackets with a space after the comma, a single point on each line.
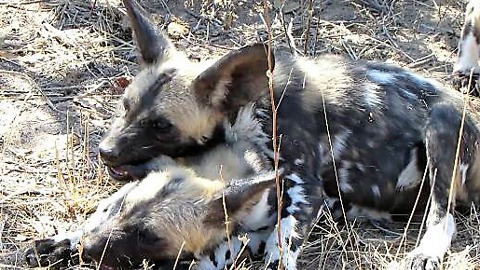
[362, 132]
[177, 210]
[469, 49]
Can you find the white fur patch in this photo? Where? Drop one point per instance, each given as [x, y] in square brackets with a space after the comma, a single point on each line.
[258, 215]
[74, 238]
[220, 255]
[288, 228]
[324, 152]
[371, 95]
[298, 161]
[410, 177]
[106, 206]
[297, 194]
[149, 187]
[422, 80]
[380, 76]
[468, 59]
[376, 191]
[463, 172]
[344, 177]
[255, 239]
[345, 187]
[295, 178]
[340, 142]
[437, 239]
[247, 127]
[288, 232]
[360, 166]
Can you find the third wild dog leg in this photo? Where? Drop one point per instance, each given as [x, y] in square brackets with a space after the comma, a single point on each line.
[447, 182]
[466, 65]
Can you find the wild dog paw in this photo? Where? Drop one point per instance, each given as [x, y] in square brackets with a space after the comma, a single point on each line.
[463, 83]
[48, 252]
[421, 261]
[272, 266]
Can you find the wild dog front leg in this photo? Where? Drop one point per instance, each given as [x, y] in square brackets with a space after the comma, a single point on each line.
[469, 50]
[230, 252]
[442, 135]
[297, 217]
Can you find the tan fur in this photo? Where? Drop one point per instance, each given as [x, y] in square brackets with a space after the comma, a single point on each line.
[181, 194]
[321, 74]
[179, 103]
[181, 214]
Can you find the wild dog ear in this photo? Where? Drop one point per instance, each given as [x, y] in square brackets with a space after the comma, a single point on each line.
[237, 199]
[236, 79]
[152, 45]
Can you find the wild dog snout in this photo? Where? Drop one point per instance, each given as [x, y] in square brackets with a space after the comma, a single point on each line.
[108, 153]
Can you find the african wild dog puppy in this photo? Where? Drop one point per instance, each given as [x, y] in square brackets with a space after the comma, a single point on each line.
[469, 49]
[360, 131]
[371, 126]
[177, 209]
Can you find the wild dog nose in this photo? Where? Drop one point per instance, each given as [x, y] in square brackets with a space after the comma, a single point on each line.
[108, 153]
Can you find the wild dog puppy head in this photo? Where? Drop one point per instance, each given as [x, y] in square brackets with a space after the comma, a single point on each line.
[174, 106]
[169, 213]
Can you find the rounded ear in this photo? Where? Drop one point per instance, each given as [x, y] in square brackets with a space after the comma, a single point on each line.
[236, 79]
[152, 45]
[238, 198]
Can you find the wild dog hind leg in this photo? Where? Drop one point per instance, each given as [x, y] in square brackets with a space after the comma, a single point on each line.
[448, 184]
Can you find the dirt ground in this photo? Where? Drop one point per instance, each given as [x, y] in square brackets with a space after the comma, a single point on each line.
[63, 64]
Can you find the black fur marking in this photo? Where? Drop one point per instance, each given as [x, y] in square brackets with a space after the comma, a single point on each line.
[213, 259]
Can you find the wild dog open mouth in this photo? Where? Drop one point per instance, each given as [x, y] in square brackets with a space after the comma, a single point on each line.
[118, 172]
[128, 172]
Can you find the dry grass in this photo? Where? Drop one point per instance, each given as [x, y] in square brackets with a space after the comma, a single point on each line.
[61, 67]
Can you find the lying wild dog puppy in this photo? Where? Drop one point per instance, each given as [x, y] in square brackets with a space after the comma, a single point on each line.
[177, 210]
[363, 132]
[469, 50]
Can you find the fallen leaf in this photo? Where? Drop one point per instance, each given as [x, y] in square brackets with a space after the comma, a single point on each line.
[177, 28]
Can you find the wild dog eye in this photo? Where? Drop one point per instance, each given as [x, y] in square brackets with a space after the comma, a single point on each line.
[162, 124]
[144, 123]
